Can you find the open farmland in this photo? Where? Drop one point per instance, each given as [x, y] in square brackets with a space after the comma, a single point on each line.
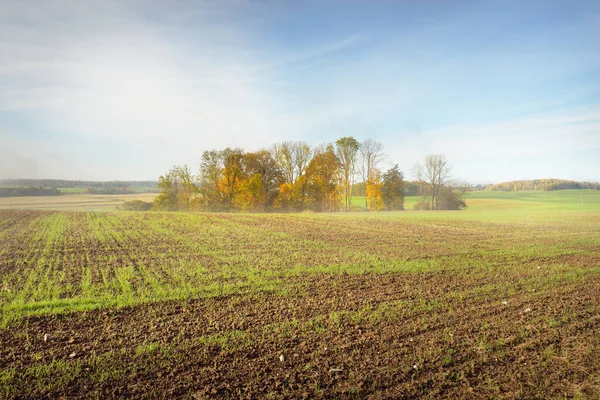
[488, 303]
[73, 201]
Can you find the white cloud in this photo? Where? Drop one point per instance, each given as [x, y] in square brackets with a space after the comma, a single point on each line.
[128, 81]
[179, 80]
[502, 148]
[103, 72]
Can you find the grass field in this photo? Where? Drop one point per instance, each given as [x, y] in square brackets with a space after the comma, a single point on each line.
[519, 202]
[489, 203]
[501, 300]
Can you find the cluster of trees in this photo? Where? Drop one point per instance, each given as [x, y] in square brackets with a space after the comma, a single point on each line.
[542, 184]
[289, 176]
[28, 191]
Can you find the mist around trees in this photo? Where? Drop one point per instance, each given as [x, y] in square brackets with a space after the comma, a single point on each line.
[436, 186]
[293, 176]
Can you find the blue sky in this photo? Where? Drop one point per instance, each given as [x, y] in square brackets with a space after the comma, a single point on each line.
[125, 89]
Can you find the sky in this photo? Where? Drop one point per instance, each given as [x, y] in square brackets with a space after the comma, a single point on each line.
[124, 90]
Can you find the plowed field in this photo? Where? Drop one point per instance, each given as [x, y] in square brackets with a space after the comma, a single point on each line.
[405, 305]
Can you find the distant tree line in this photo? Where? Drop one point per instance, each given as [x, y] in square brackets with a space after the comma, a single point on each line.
[480, 186]
[542, 184]
[101, 187]
[28, 191]
[117, 189]
[293, 176]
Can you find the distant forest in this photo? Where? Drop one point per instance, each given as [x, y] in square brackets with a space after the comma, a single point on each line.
[545, 185]
[56, 187]
[28, 191]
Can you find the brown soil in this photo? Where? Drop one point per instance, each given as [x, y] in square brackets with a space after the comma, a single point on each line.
[477, 348]
[484, 323]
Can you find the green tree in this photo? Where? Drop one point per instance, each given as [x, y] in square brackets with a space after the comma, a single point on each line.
[177, 190]
[392, 191]
[211, 169]
[451, 198]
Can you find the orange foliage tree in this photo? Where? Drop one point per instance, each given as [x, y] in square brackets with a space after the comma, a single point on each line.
[374, 192]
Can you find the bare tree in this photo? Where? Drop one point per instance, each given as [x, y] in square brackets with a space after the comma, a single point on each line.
[302, 154]
[284, 157]
[424, 191]
[371, 155]
[292, 159]
[432, 176]
[346, 150]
